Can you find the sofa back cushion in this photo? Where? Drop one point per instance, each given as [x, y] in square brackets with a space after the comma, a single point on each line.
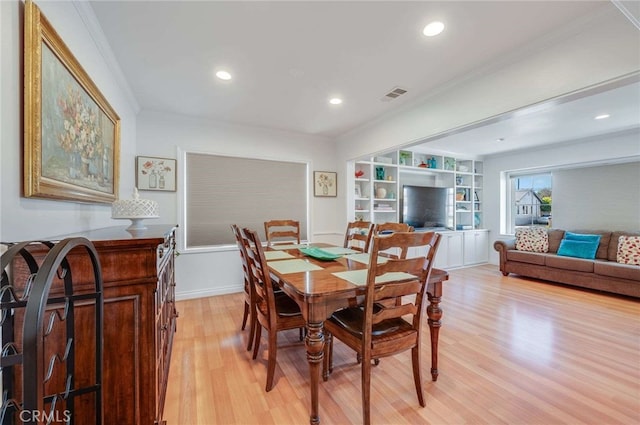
[555, 236]
[532, 239]
[613, 244]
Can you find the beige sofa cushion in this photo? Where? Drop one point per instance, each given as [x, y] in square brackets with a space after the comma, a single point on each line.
[569, 263]
[622, 271]
[555, 237]
[526, 257]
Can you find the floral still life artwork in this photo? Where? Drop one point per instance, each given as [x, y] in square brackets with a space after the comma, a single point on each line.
[72, 135]
[325, 183]
[83, 150]
[155, 173]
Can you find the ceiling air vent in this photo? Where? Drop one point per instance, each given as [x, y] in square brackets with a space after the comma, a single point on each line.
[394, 93]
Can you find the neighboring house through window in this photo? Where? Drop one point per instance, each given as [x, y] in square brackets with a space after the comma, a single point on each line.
[529, 200]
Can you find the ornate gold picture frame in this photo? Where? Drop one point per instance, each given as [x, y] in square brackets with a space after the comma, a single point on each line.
[71, 133]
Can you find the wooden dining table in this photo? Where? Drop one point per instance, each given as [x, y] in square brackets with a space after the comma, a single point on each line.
[319, 293]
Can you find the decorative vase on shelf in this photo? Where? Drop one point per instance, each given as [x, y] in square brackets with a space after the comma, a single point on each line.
[381, 193]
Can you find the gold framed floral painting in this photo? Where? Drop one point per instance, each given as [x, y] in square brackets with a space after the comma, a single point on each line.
[155, 173]
[325, 183]
[72, 134]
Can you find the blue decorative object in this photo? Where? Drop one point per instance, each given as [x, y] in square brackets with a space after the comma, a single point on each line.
[582, 237]
[379, 173]
[578, 249]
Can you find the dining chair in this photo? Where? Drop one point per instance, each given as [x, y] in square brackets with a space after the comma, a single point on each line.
[275, 311]
[358, 235]
[389, 228]
[377, 329]
[282, 231]
[249, 304]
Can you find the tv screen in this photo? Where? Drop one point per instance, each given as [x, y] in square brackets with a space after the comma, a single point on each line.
[427, 207]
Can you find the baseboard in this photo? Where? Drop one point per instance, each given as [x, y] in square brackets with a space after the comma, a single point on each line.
[209, 292]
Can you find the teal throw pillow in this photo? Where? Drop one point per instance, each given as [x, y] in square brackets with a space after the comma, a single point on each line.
[582, 237]
[578, 249]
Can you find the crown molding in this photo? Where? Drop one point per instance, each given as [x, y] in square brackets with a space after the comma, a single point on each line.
[88, 16]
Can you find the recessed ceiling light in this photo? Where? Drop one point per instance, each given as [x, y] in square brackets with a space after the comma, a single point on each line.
[434, 28]
[601, 117]
[335, 101]
[500, 139]
[223, 75]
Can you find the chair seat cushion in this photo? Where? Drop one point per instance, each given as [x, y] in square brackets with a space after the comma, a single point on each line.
[351, 320]
[285, 306]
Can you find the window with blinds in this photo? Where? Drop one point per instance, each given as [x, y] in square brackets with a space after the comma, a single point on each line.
[225, 190]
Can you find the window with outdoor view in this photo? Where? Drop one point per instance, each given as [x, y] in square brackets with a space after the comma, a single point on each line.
[530, 201]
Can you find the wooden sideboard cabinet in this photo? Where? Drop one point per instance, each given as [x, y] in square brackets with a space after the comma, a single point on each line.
[139, 318]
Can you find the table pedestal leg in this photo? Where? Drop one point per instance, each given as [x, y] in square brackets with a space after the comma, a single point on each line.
[435, 314]
[315, 353]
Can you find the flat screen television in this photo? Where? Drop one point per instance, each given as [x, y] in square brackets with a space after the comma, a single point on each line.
[427, 207]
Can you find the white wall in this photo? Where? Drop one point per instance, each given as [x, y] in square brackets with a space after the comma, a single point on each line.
[571, 215]
[161, 134]
[22, 218]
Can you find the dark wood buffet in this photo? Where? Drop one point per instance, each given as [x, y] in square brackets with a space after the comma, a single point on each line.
[139, 317]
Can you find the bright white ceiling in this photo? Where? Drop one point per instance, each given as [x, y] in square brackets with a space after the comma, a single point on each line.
[289, 58]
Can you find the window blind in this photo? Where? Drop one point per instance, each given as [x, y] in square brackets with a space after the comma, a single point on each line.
[224, 190]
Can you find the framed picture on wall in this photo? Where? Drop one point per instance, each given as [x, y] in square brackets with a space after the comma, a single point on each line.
[154, 173]
[325, 183]
[71, 133]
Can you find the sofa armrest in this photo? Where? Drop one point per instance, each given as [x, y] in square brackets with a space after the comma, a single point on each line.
[502, 246]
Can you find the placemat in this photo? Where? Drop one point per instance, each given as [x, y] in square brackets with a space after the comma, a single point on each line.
[359, 277]
[364, 258]
[277, 255]
[292, 266]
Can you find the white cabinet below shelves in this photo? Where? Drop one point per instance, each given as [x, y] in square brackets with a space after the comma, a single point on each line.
[459, 249]
[476, 247]
[450, 251]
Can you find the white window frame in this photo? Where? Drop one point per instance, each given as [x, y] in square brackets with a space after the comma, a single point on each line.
[508, 194]
[182, 200]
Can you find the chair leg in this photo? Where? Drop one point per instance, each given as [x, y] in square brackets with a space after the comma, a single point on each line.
[328, 351]
[301, 330]
[252, 330]
[271, 364]
[256, 341]
[366, 390]
[331, 354]
[245, 315]
[417, 376]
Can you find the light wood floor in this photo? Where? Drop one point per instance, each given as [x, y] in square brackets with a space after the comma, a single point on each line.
[512, 351]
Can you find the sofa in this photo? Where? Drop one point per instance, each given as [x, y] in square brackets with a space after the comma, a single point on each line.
[603, 273]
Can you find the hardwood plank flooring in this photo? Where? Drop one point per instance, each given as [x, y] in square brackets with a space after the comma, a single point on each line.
[512, 351]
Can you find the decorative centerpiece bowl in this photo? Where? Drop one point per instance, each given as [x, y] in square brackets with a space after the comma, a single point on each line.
[135, 209]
